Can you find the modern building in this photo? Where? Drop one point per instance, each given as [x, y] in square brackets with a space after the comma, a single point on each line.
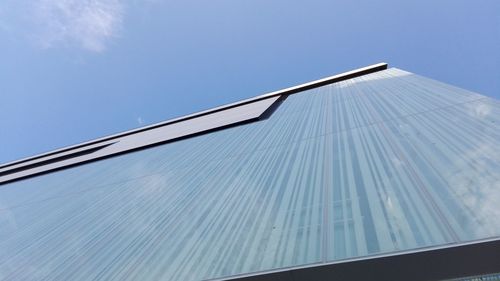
[373, 174]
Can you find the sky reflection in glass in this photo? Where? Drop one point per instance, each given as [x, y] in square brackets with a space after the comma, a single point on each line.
[385, 162]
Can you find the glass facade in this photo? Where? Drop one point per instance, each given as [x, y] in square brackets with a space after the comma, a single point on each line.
[490, 277]
[385, 162]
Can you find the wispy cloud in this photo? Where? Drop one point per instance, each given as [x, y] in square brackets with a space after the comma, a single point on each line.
[88, 24]
[474, 180]
[83, 24]
[140, 121]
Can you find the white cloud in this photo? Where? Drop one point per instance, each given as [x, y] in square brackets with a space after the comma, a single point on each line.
[140, 121]
[82, 24]
[479, 187]
[479, 109]
[88, 24]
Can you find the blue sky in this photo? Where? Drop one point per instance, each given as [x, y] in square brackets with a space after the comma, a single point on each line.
[74, 70]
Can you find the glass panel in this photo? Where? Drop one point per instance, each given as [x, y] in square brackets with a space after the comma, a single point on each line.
[489, 277]
[381, 163]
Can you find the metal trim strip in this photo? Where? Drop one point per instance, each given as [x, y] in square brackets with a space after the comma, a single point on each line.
[288, 91]
[435, 263]
[180, 130]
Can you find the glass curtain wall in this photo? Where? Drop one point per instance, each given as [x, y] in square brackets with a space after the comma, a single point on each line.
[385, 162]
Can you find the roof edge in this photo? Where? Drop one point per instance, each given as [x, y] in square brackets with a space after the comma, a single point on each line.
[287, 91]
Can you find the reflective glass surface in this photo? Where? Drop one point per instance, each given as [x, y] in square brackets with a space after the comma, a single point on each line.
[385, 162]
[489, 277]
